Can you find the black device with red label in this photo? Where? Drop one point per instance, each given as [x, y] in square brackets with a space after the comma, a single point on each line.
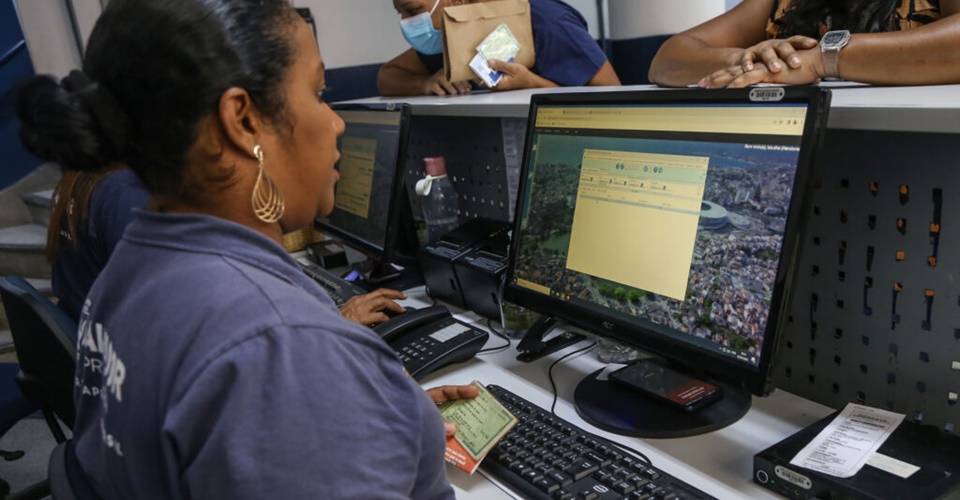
[670, 386]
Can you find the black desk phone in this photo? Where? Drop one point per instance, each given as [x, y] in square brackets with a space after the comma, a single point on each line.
[429, 339]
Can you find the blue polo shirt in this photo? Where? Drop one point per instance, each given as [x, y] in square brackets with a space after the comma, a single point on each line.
[78, 264]
[566, 52]
[210, 366]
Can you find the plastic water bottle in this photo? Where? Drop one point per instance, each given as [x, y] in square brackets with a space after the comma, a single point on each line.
[438, 199]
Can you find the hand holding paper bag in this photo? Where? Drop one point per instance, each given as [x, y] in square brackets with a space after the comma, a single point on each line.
[466, 26]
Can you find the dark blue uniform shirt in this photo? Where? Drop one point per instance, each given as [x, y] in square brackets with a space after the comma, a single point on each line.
[566, 52]
[210, 366]
[77, 265]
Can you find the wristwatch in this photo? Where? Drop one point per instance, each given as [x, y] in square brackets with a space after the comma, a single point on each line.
[830, 46]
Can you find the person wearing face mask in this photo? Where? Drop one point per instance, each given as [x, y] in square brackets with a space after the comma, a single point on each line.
[567, 55]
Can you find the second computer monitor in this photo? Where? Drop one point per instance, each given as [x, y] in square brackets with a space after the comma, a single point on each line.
[663, 219]
[370, 153]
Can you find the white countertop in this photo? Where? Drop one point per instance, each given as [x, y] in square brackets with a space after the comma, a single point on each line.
[920, 109]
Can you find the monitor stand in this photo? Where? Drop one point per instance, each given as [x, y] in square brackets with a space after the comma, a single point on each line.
[532, 346]
[381, 274]
[621, 410]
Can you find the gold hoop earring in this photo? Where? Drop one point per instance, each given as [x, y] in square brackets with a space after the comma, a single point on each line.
[266, 200]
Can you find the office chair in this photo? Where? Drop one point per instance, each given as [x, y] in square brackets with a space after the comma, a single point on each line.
[45, 341]
[14, 406]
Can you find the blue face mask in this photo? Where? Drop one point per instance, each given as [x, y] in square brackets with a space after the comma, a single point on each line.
[420, 33]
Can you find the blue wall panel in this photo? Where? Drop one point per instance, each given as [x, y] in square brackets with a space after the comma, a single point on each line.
[354, 82]
[15, 68]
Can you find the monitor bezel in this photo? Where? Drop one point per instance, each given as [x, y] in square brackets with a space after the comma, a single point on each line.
[389, 252]
[757, 380]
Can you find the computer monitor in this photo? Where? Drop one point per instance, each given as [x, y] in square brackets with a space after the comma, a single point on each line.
[370, 207]
[667, 220]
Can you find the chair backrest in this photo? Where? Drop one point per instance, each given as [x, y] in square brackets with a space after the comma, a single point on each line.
[45, 340]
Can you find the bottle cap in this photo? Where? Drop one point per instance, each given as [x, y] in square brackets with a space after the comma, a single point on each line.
[435, 166]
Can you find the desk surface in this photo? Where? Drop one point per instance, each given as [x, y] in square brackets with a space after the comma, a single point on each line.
[720, 463]
[920, 109]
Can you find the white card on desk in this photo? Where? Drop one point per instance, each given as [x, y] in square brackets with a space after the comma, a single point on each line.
[844, 446]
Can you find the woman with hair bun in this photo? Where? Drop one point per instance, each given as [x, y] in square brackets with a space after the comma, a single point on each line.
[883, 42]
[95, 198]
[209, 365]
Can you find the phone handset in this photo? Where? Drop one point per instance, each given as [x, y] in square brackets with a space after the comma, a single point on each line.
[410, 320]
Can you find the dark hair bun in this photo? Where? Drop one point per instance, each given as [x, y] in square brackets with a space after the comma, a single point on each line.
[59, 124]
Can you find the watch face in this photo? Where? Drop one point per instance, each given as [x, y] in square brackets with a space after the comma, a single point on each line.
[833, 38]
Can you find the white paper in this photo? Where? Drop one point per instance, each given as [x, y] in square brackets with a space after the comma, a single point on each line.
[843, 447]
[892, 465]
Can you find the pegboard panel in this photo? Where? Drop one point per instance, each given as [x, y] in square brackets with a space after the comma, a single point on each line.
[482, 157]
[875, 313]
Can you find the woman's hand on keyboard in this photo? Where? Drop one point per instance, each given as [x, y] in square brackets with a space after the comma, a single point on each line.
[372, 308]
[445, 393]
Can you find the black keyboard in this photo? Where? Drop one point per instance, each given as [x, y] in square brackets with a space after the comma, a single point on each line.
[546, 457]
[339, 289]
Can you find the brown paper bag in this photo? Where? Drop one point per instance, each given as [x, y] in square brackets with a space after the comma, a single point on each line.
[465, 27]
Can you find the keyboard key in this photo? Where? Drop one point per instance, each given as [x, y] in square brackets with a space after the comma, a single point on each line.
[597, 458]
[560, 478]
[581, 469]
[640, 495]
[519, 467]
[627, 475]
[545, 485]
[624, 488]
[562, 495]
[610, 480]
[530, 475]
[587, 495]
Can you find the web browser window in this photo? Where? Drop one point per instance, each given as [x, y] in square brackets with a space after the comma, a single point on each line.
[673, 214]
[367, 166]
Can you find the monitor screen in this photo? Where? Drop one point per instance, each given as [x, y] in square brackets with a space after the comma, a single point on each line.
[668, 215]
[369, 151]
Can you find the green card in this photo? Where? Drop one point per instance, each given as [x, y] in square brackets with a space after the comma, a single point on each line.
[481, 421]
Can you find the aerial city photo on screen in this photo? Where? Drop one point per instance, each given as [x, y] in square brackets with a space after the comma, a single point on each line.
[728, 261]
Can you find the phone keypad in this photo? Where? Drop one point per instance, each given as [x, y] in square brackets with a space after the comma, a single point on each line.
[417, 351]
